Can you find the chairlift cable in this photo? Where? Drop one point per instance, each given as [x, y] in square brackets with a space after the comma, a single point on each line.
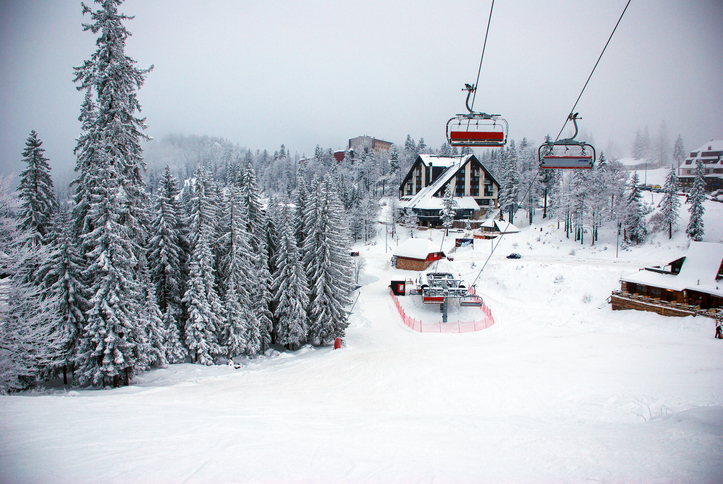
[484, 46]
[534, 178]
[593, 70]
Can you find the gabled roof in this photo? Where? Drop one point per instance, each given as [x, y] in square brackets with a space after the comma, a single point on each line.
[415, 249]
[712, 145]
[500, 226]
[698, 273]
[425, 199]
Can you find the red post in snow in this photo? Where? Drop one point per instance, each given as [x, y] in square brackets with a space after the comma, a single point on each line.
[337, 343]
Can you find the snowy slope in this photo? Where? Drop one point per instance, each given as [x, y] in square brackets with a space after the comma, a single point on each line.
[559, 389]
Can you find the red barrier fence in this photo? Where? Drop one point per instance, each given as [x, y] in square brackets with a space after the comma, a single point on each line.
[454, 327]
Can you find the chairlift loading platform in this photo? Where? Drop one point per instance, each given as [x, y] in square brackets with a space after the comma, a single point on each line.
[476, 129]
[436, 287]
[568, 153]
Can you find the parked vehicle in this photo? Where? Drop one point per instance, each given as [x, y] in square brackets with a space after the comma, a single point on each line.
[514, 255]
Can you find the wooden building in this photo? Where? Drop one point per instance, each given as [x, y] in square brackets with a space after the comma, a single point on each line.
[415, 255]
[686, 285]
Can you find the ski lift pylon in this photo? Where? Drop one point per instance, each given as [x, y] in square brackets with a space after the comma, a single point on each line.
[476, 129]
[568, 153]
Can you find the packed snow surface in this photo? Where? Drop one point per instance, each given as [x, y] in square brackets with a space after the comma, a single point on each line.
[559, 389]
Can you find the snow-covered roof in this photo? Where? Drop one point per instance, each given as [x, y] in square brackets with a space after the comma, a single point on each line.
[698, 273]
[500, 226]
[425, 199]
[444, 161]
[415, 249]
[712, 145]
[436, 203]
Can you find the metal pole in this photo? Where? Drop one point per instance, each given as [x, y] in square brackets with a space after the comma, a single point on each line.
[617, 240]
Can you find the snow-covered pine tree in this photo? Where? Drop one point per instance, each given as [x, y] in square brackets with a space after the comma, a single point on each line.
[237, 267]
[670, 203]
[290, 288]
[166, 255]
[370, 208]
[35, 193]
[109, 216]
[272, 230]
[202, 302]
[259, 335]
[679, 151]
[448, 204]
[24, 346]
[8, 223]
[301, 201]
[513, 180]
[62, 285]
[635, 228]
[696, 227]
[152, 317]
[113, 346]
[410, 220]
[328, 265]
[597, 196]
[615, 182]
[23, 328]
[580, 186]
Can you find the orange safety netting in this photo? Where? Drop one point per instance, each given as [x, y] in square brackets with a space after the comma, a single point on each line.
[453, 327]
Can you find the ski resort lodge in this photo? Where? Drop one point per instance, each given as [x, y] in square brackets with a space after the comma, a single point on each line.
[474, 188]
[685, 286]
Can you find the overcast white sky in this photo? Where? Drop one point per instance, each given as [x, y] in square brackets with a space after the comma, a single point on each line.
[261, 72]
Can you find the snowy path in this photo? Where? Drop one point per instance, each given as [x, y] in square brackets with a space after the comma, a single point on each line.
[560, 389]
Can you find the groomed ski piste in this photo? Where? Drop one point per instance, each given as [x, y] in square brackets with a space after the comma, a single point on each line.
[559, 389]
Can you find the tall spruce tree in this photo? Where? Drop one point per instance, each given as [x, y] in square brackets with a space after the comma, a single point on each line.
[635, 228]
[679, 151]
[236, 268]
[670, 203]
[62, 284]
[328, 265]
[35, 193]
[110, 202]
[259, 337]
[203, 304]
[290, 288]
[696, 228]
[166, 255]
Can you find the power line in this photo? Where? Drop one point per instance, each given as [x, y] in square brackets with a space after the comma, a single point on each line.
[593, 69]
[484, 46]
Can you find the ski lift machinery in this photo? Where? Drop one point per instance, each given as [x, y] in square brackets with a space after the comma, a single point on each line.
[568, 153]
[476, 129]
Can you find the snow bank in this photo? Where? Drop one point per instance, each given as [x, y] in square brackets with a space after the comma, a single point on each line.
[559, 389]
